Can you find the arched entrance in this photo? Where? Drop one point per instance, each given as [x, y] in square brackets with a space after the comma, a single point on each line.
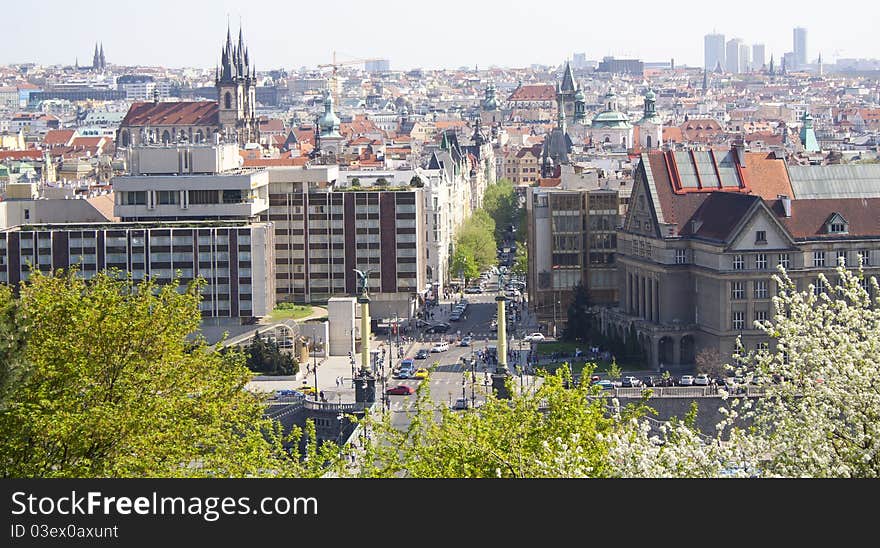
[687, 350]
[648, 142]
[665, 350]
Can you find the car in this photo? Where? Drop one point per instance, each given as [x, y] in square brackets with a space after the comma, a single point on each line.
[402, 374]
[649, 381]
[701, 380]
[438, 328]
[534, 337]
[465, 341]
[421, 373]
[630, 382]
[455, 316]
[686, 380]
[287, 393]
[401, 390]
[473, 289]
[440, 347]
[306, 389]
[603, 384]
[461, 403]
[421, 354]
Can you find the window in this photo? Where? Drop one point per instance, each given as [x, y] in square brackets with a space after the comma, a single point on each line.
[761, 289]
[232, 196]
[199, 197]
[818, 258]
[27, 214]
[761, 261]
[681, 256]
[166, 197]
[136, 198]
[784, 260]
[760, 316]
[819, 287]
[739, 322]
[761, 237]
[837, 228]
[737, 291]
[841, 256]
[762, 347]
[865, 256]
[739, 262]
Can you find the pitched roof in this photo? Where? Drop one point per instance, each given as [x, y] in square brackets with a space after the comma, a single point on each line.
[183, 113]
[808, 217]
[21, 154]
[542, 92]
[718, 215]
[58, 137]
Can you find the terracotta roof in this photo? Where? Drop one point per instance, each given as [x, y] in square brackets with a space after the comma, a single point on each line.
[808, 217]
[89, 142]
[21, 154]
[542, 92]
[184, 113]
[104, 203]
[271, 125]
[267, 162]
[58, 137]
[549, 182]
[672, 135]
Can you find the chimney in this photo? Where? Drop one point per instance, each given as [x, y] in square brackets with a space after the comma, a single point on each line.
[786, 204]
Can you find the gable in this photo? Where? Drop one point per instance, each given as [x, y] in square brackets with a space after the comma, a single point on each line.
[761, 219]
[640, 215]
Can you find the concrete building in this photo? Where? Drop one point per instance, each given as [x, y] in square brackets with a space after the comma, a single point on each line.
[523, 166]
[733, 56]
[571, 241]
[713, 51]
[705, 232]
[324, 232]
[758, 58]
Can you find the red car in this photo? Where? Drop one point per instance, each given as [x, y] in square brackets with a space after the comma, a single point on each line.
[401, 390]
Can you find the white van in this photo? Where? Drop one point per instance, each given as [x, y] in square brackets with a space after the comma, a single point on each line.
[440, 347]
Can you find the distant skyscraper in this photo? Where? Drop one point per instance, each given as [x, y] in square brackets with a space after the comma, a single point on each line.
[744, 64]
[757, 56]
[713, 49]
[378, 65]
[579, 61]
[733, 56]
[800, 47]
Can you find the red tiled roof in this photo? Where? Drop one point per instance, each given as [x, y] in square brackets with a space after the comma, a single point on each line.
[88, 142]
[184, 113]
[549, 181]
[267, 162]
[21, 154]
[57, 137]
[672, 135]
[542, 92]
[271, 125]
[808, 217]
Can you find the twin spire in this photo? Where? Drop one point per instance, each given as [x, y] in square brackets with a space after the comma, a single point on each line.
[235, 64]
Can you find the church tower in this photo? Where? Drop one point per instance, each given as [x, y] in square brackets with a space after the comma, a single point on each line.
[236, 92]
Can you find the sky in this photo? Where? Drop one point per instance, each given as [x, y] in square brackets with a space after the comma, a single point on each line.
[438, 34]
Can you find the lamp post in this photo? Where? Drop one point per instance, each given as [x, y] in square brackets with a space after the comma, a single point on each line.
[315, 364]
[473, 382]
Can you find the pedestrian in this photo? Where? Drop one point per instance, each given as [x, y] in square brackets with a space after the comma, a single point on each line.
[322, 396]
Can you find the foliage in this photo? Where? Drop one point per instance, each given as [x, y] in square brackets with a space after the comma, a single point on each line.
[710, 362]
[502, 205]
[266, 357]
[521, 264]
[614, 371]
[381, 181]
[416, 182]
[463, 263]
[580, 317]
[290, 311]
[12, 367]
[356, 182]
[474, 243]
[819, 413]
[518, 438]
[118, 389]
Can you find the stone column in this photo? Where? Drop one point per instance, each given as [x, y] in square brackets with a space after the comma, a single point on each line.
[499, 377]
[365, 332]
[649, 302]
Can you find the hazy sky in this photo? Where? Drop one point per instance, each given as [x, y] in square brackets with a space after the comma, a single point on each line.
[445, 33]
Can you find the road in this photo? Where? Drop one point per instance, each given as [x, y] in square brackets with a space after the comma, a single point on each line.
[447, 373]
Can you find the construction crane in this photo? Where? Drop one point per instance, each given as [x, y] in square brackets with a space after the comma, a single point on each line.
[335, 65]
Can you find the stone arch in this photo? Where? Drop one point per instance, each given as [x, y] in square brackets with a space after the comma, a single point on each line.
[665, 350]
[687, 350]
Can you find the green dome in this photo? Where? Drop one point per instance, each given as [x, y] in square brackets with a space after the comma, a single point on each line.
[329, 122]
[651, 96]
[579, 96]
[611, 119]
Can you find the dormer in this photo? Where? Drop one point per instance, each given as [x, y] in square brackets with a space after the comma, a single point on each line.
[836, 224]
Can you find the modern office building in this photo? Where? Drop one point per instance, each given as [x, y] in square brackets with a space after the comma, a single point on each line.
[758, 59]
[799, 48]
[733, 56]
[713, 51]
[611, 65]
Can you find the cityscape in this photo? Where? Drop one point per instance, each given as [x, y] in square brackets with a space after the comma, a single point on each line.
[370, 265]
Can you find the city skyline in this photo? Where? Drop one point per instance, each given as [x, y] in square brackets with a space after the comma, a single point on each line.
[417, 35]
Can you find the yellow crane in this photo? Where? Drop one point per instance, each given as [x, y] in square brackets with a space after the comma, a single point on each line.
[334, 87]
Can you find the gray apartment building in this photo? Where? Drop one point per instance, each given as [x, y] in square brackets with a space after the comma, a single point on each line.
[323, 231]
[705, 232]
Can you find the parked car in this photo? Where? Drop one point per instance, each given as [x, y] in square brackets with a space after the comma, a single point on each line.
[440, 347]
[401, 390]
[438, 328]
[421, 354]
[686, 380]
[307, 389]
[473, 289]
[466, 341]
[421, 373]
[461, 403]
[604, 384]
[402, 374]
[649, 381]
[286, 393]
[534, 337]
[455, 316]
[630, 382]
[701, 380]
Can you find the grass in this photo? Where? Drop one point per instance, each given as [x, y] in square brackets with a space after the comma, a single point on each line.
[289, 311]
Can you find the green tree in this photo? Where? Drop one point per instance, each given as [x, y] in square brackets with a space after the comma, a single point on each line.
[502, 204]
[521, 264]
[416, 182]
[517, 438]
[266, 357]
[463, 263]
[118, 389]
[580, 317]
[475, 236]
[12, 367]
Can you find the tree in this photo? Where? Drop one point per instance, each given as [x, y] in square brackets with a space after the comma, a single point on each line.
[710, 362]
[475, 238]
[266, 357]
[356, 182]
[463, 263]
[580, 317]
[117, 388]
[521, 264]
[12, 367]
[416, 182]
[518, 438]
[502, 205]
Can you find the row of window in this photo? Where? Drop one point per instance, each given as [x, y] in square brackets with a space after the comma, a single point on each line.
[738, 319]
[738, 290]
